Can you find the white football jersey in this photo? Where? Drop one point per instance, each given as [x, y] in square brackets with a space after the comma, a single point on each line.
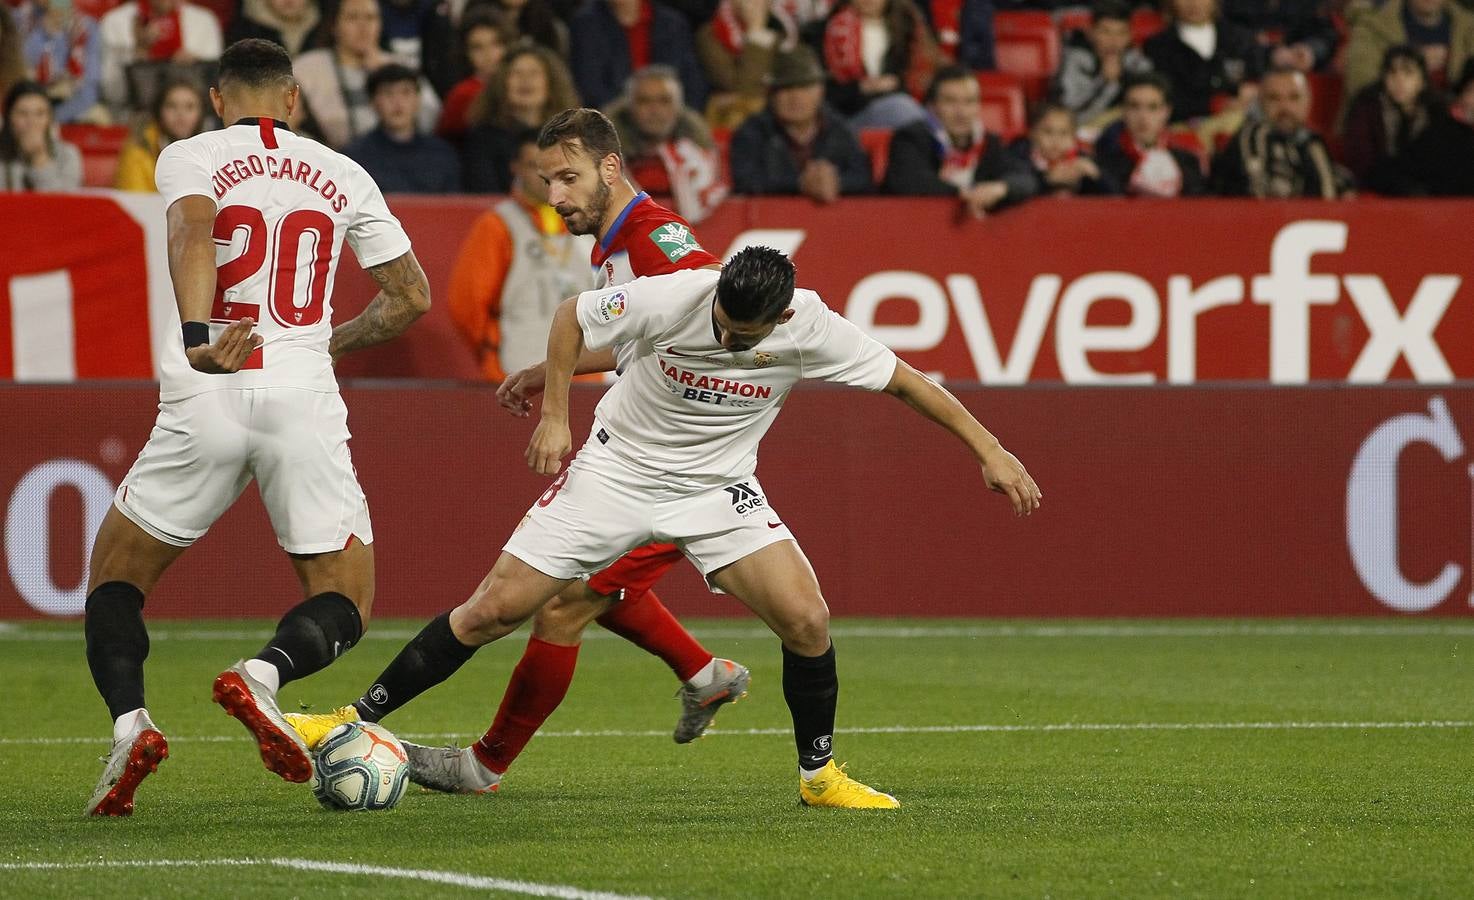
[284, 204]
[692, 413]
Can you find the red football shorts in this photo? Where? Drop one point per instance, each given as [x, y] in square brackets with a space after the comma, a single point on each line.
[637, 571]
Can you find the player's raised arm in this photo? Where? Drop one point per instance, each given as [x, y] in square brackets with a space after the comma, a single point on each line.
[404, 295]
[552, 440]
[191, 222]
[1001, 469]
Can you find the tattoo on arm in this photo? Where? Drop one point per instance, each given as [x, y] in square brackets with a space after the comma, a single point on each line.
[403, 296]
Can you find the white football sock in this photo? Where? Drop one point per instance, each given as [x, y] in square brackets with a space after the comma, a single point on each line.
[706, 676]
[123, 725]
[264, 672]
[808, 774]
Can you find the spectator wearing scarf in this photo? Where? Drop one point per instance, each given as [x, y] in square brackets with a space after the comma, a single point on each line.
[737, 48]
[64, 51]
[154, 31]
[1279, 156]
[1054, 155]
[1133, 155]
[950, 154]
[667, 147]
[880, 57]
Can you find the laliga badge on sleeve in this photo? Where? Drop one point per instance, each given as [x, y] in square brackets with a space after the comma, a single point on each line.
[612, 306]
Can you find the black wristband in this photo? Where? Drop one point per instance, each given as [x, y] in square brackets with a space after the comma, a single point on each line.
[195, 334]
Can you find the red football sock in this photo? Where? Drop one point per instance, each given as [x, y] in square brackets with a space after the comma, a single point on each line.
[644, 621]
[538, 685]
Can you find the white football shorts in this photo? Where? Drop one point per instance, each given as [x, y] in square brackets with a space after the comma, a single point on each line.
[205, 449]
[598, 509]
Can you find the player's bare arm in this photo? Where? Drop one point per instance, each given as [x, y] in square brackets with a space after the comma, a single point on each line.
[191, 222]
[1001, 470]
[552, 440]
[404, 295]
[516, 393]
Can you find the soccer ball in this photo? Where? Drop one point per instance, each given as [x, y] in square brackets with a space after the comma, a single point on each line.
[360, 765]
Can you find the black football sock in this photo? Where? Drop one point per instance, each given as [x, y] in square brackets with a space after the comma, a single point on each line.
[117, 645]
[811, 687]
[312, 634]
[431, 657]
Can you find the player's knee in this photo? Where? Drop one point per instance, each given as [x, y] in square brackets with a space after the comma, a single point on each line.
[481, 620]
[806, 631]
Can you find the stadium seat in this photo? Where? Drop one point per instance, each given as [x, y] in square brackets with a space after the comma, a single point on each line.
[1144, 24]
[1027, 45]
[100, 145]
[1003, 104]
[1326, 92]
[877, 143]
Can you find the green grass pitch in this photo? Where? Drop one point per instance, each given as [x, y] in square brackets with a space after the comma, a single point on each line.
[1064, 759]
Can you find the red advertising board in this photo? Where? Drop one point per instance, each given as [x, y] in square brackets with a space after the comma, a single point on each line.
[1158, 502]
[1085, 291]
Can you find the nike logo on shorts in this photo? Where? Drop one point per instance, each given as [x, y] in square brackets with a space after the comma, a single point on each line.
[775, 524]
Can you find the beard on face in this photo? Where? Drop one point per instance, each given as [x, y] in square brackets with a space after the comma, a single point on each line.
[588, 219]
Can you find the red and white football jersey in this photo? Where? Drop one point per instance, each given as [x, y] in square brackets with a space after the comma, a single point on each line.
[284, 205]
[646, 239]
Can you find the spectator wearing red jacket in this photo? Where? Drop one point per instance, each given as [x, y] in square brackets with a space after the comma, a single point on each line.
[485, 38]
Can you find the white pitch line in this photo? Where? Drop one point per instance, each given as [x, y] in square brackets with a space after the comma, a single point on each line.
[11, 632]
[434, 876]
[1043, 727]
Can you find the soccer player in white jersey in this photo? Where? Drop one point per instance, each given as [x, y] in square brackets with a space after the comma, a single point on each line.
[671, 457]
[256, 221]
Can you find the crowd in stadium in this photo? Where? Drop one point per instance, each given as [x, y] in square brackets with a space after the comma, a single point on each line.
[1263, 98]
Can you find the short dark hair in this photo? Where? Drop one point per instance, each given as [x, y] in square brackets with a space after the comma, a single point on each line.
[254, 63]
[1148, 79]
[756, 285]
[1120, 10]
[589, 127]
[1049, 107]
[950, 72]
[1407, 53]
[391, 73]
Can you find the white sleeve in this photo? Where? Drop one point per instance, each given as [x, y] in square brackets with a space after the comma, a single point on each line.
[375, 235]
[183, 170]
[835, 349]
[641, 309]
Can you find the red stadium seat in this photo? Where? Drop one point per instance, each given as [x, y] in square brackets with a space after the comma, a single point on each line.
[1144, 24]
[1326, 92]
[100, 145]
[1027, 44]
[877, 143]
[1003, 104]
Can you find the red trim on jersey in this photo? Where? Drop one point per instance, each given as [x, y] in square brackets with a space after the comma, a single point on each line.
[349, 543]
[268, 132]
[645, 256]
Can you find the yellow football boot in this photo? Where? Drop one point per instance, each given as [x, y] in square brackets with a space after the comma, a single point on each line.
[832, 787]
[313, 727]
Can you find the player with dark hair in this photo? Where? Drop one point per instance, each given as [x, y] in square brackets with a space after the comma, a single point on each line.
[250, 393]
[671, 455]
[579, 156]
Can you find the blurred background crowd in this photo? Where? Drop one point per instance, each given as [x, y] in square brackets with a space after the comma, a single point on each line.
[996, 102]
